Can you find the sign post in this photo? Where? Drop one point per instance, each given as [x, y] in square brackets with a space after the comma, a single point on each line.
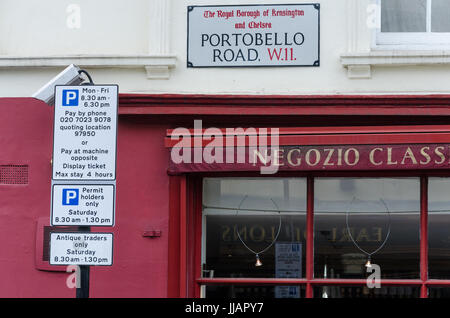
[85, 272]
[84, 177]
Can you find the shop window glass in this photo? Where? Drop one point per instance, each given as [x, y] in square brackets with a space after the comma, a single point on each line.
[365, 292]
[438, 292]
[438, 228]
[256, 291]
[232, 236]
[370, 209]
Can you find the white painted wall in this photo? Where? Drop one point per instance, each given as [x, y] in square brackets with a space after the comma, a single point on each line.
[157, 28]
[48, 27]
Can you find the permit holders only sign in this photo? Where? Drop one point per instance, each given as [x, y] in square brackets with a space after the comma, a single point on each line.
[94, 249]
[254, 35]
[83, 205]
[85, 132]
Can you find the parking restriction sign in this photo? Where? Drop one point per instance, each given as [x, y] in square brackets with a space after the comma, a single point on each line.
[85, 132]
[84, 176]
[83, 205]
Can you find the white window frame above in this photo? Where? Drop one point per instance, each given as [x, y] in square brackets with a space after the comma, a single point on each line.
[410, 40]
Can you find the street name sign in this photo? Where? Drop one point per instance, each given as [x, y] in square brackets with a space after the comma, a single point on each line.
[280, 35]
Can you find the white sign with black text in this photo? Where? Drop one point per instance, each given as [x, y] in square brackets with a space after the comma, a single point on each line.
[95, 249]
[85, 132]
[254, 35]
[83, 205]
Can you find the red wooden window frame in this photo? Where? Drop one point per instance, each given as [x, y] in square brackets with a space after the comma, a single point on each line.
[309, 282]
[186, 211]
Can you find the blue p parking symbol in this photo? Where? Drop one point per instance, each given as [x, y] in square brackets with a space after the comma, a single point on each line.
[70, 196]
[70, 97]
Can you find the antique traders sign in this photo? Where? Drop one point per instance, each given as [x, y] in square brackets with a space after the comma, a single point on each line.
[253, 35]
[318, 158]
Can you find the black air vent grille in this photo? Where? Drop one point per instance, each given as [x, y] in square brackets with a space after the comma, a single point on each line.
[13, 174]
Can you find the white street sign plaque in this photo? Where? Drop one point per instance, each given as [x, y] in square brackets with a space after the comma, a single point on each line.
[85, 132]
[94, 249]
[83, 205]
[254, 35]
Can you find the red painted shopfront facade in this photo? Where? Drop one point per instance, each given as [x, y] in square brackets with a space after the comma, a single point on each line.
[179, 232]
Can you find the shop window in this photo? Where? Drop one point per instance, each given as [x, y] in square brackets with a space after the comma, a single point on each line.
[255, 291]
[315, 235]
[438, 228]
[360, 218]
[439, 292]
[246, 219]
[414, 23]
[365, 292]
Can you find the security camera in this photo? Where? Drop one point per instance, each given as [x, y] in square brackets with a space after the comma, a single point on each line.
[70, 76]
